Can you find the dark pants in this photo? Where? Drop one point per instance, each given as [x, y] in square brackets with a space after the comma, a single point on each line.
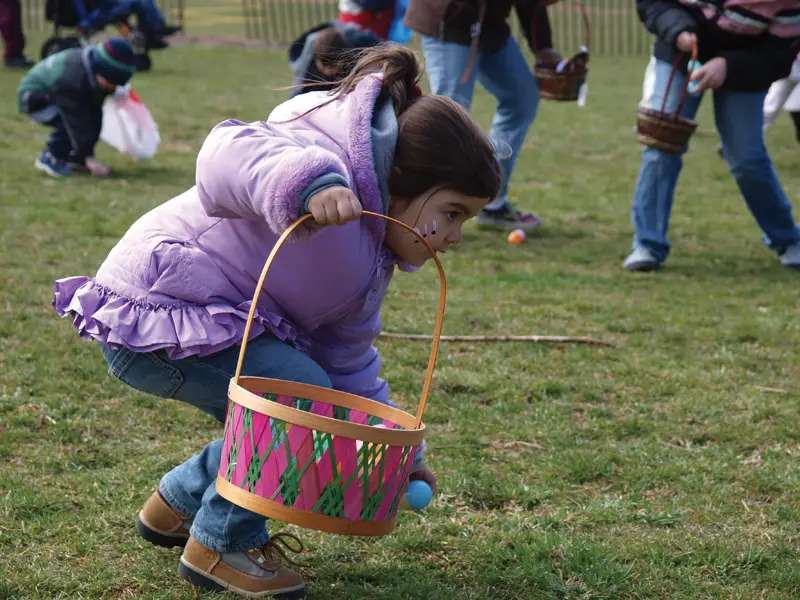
[149, 18]
[796, 119]
[60, 142]
[11, 28]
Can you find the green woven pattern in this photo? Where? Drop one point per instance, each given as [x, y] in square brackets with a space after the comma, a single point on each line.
[318, 469]
[247, 421]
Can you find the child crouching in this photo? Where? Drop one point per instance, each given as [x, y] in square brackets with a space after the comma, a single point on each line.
[66, 91]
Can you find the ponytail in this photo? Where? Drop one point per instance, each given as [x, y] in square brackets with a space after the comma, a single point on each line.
[401, 73]
[400, 68]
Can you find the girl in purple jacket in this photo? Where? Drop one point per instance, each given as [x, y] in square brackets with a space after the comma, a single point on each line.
[169, 304]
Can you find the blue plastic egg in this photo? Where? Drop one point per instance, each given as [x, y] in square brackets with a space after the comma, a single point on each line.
[418, 495]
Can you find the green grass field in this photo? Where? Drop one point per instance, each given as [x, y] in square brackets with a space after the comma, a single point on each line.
[664, 468]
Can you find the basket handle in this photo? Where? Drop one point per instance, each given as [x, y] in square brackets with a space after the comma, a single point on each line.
[437, 331]
[685, 91]
[585, 16]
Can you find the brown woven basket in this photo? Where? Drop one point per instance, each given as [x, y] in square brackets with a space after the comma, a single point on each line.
[664, 131]
[564, 86]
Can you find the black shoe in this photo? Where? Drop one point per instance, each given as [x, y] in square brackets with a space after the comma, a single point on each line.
[157, 43]
[171, 30]
[18, 62]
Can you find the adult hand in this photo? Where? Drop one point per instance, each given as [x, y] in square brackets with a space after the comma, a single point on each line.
[334, 206]
[548, 56]
[711, 75]
[686, 41]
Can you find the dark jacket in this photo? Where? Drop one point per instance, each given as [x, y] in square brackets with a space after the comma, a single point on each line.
[301, 55]
[452, 20]
[65, 80]
[753, 62]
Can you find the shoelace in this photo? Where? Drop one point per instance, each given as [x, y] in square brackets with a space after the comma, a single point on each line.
[274, 553]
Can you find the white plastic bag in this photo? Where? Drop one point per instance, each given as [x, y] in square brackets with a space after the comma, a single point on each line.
[128, 126]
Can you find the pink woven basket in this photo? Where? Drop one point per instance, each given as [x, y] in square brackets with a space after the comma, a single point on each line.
[316, 457]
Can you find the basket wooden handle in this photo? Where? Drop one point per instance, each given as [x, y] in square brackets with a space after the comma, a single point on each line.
[685, 91]
[437, 330]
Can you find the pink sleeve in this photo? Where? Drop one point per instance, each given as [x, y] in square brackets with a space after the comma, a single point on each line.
[247, 171]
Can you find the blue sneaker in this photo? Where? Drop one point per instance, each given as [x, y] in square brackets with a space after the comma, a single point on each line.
[55, 167]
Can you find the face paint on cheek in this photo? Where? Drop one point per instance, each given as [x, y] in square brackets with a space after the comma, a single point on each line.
[425, 233]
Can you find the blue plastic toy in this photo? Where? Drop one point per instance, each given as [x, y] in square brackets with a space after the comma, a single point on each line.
[693, 66]
[418, 495]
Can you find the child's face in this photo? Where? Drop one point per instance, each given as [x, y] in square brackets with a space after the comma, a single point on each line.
[437, 214]
[105, 84]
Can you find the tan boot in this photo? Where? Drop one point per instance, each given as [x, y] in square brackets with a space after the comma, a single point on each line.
[253, 574]
[161, 525]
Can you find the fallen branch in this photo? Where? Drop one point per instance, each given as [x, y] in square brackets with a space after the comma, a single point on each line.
[539, 339]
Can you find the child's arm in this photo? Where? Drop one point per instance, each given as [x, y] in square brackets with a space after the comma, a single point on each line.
[665, 18]
[352, 363]
[248, 171]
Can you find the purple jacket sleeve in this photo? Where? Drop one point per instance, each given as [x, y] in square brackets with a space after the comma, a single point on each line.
[248, 171]
[351, 361]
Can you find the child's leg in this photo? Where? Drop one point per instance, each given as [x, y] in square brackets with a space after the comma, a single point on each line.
[190, 489]
[792, 106]
[203, 381]
[796, 119]
[649, 83]
[658, 175]
[60, 142]
[740, 121]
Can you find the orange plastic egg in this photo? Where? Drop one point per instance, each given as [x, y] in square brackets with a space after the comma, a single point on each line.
[516, 237]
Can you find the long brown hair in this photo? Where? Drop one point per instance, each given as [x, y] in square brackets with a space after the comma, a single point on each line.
[438, 143]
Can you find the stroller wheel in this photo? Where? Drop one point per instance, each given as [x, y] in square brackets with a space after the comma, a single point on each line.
[57, 44]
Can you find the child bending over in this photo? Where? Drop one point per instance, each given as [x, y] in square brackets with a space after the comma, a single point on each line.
[169, 305]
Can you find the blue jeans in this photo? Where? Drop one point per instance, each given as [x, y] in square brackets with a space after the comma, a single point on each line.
[739, 119]
[506, 75]
[203, 382]
[60, 142]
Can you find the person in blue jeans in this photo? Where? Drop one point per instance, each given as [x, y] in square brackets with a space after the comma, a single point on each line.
[740, 58]
[465, 41]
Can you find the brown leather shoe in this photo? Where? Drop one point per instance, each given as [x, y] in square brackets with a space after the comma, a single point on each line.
[160, 524]
[253, 574]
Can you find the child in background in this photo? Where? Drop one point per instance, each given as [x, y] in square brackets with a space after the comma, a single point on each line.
[740, 58]
[66, 91]
[170, 303]
[325, 54]
[372, 15]
[784, 94]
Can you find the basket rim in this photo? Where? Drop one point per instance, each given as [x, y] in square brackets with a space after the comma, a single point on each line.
[301, 518]
[409, 436]
[547, 72]
[664, 117]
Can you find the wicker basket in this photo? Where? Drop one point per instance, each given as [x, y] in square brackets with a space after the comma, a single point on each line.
[565, 85]
[316, 457]
[664, 131]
